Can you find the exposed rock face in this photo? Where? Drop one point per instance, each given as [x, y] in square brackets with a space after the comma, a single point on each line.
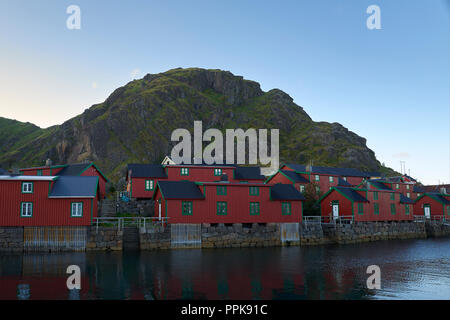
[135, 123]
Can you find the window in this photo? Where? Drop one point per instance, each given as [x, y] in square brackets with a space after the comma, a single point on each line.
[397, 186]
[392, 196]
[407, 209]
[26, 209]
[254, 208]
[286, 208]
[331, 179]
[345, 178]
[408, 195]
[317, 177]
[375, 195]
[360, 208]
[217, 172]
[186, 208]
[254, 191]
[27, 187]
[39, 172]
[184, 171]
[149, 185]
[393, 210]
[376, 208]
[302, 188]
[76, 209]
[418, 195]
[221, 190]
[221, 208]
[407, 187]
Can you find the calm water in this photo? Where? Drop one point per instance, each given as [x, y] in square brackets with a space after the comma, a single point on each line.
[411, 269]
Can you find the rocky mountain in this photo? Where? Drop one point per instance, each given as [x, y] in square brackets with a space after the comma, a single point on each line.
[134, 124]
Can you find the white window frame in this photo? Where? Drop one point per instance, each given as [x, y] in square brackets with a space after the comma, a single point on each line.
[27, 187]
[26, 209]
[75, 213]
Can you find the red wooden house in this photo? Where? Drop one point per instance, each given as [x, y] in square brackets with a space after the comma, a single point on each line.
[48, 200]
[371, 204]
[81, 169]
[323, 177]
[142, 178]
[433, 206]
[227, 202]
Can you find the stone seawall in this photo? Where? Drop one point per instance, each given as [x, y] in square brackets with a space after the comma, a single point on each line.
[11, 239]
[436, 229]
[157, 237]
[104, 239]
[240, 235]
[374, 231]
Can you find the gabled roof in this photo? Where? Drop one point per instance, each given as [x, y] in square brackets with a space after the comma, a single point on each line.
[248, 173]
[379, 185]
[436, 188]
[351, 194]
[147, 170]
[74, 187]
[294, 176]
[343, 183]
[395, 179]
[404, 199]
[438, 197]
[345, 172]
[285, 192]
[78, 169]
[179, 190]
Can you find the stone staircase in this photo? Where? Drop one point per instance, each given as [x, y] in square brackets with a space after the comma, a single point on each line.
[107, 208]
[131, 238]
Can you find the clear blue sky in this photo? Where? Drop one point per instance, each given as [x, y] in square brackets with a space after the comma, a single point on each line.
[390, 85]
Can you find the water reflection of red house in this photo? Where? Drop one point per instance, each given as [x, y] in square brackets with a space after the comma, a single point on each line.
[38, 288]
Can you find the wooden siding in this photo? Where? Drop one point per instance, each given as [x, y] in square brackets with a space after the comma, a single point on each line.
[46, 212]
[238, 207]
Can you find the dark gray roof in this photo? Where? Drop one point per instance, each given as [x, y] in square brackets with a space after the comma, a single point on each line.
[439, 197]
[285, 192]
[394, 179]
[147, 171]
[404, 199]
[180, 190]
[295, 176]
[419, 189]
[345, 172]
[248, 173]
[72, 186]
[352, 194]
[343, 183]
[379, 185]
[73, 169]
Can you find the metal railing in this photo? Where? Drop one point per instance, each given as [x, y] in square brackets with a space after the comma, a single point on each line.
[327, 220]
[422, 218]
[121, 222]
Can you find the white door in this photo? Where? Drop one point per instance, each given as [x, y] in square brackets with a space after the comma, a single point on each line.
[335, 211]
[159, 209]
[427, 211]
